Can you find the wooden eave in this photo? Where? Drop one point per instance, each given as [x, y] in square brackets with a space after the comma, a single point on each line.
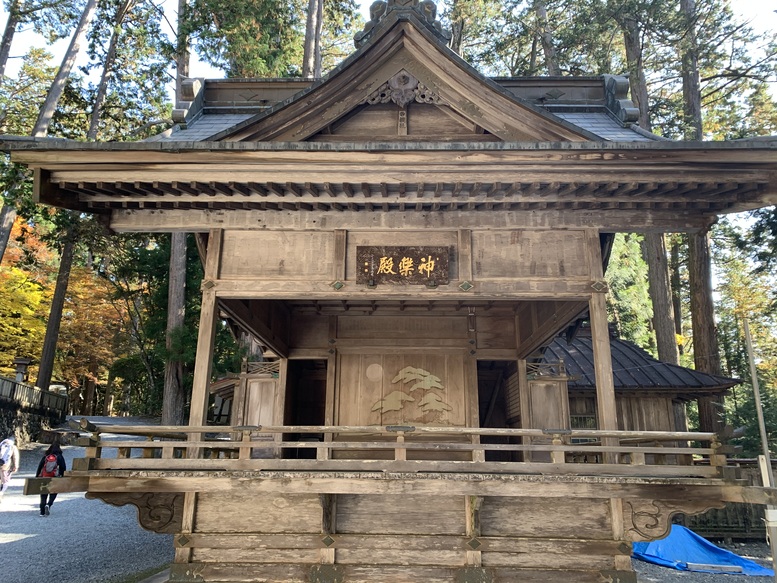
[672, 179]
[403, 42]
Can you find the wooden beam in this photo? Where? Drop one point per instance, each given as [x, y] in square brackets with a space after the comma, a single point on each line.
[606, 220]
[241, 313]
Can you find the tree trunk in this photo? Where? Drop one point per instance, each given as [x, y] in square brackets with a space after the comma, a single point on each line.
[317, 69]
[690, 74]
[7, 219]
[706, 356]
[677, 287]
[110, 58]
[87, 408]
[174, 398]
[55, 316]
[309, 54]
[58, 86]
[14, 11]
[551, 58]
[637, 80]
[182, 53]
[654, 251]
[311, 60]
[457, 27]
[110, 395]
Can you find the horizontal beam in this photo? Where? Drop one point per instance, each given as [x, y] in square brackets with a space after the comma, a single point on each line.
[531, 486]
[637, 220]
[548, 288]
[377, 172]
[710, 153]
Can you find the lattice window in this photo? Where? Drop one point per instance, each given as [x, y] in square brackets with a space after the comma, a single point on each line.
[264, 367]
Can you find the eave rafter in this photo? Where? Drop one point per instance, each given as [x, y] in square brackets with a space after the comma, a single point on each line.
[713, 195]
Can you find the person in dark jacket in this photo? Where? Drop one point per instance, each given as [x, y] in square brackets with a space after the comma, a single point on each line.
[46, 500]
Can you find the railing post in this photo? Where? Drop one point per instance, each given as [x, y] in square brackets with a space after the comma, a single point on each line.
[718, 460]
[400, 453]
[478, 455]
[92, 451]
[245, 452]
[558, 457]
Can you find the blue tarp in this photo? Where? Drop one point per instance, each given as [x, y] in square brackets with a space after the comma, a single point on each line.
[683, 546]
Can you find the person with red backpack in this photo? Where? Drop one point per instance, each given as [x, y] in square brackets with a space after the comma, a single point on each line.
[52, 465]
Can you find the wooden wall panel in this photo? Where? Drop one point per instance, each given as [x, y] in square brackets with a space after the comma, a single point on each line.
[553, 517]
[402, 327]
[495, 330]
[524, 254]
[269, 555]
[546, 405]
[309, 331]
[645, 413]
[276, 254]
[411, 514]
[258, 513]
[542, 558]
[400, 555]
[387, 389]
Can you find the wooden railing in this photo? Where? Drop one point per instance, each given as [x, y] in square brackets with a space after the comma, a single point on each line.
[33, 397]
[403, 449]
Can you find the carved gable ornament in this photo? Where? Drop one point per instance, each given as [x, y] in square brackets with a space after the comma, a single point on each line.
[402, 89]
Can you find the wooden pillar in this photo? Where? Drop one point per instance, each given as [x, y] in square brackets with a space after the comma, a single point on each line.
[605, 386]
[207, 333]
[600, 336]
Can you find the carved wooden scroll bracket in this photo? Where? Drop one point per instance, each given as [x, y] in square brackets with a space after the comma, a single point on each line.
[157, 512]
[646, 520]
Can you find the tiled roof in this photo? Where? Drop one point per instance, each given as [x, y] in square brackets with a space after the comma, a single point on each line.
[633, 368]
[604, 126]
[202, 128]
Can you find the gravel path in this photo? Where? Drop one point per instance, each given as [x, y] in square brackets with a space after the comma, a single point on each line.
[89, 541]
[82, 541]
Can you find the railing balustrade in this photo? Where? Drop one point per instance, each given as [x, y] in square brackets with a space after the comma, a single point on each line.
[404, 448]
[33, 397]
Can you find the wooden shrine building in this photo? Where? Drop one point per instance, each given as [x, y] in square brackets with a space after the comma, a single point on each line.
[387, 233]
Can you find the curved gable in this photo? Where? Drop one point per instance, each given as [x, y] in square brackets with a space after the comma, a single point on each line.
[405, 84]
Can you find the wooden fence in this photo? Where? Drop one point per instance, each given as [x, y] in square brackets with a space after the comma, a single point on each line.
[47, 402]
[735, 520]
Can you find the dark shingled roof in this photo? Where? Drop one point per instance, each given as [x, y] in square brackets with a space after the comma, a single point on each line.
[633, 368]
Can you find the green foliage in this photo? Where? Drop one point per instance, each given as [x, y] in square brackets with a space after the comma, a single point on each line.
[254, 38]
[341, 21]
[628, 302]
[137, 268]
[136, 92]
[745, 293]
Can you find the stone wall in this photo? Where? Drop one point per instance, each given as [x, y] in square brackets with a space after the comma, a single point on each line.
[26, 425]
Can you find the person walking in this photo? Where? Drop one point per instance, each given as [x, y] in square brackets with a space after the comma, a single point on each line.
[9, 462]
[52, 465]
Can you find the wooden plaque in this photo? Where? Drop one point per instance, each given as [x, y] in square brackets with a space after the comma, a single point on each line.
[402, 265]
